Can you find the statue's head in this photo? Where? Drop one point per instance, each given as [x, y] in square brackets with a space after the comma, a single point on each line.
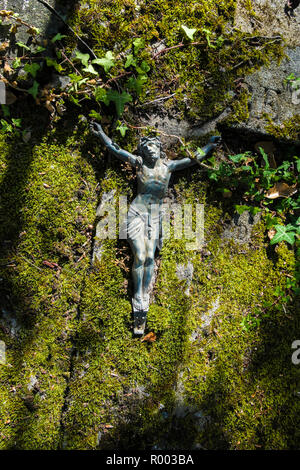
[150, 148]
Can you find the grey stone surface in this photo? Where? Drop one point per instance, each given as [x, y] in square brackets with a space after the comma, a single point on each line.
[208, 316]
[107, 198]
[185, 272]
[270, 94]
[240, 228]
[270, 20]
[35, 14]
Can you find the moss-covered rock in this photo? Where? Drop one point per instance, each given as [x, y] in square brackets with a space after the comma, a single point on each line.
[219, 373]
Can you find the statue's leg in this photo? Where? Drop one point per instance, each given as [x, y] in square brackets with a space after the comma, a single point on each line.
[149, 267]
[139, 252]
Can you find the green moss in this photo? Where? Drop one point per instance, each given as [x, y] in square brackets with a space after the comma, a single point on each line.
[74, 341]
[197, 76]
[287, 130]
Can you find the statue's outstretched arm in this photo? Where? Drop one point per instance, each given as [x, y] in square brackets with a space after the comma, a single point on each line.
[187, 162]
[123, 155]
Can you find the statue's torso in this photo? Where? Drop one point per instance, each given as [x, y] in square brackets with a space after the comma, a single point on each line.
[152, 184]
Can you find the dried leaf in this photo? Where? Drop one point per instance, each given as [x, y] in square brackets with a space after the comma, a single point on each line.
[50, 107]
[150, 337]
[50, 265]
[7, 68]
[3, 46]
[281, 190]
[271, 233]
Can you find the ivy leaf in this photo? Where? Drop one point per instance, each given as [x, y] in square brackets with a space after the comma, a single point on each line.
[241, 208]
[90, 69]
[53, 63]
[189, 32]
[200, 152]
[208, 34]
[16, 63]
[143, 68]
[34, 89]
[130, 60]
[84, 58]
[21, 44]
[58, 37]
[137, 83]
[284, 233]
[119, 99]
[106, 62]
[101, 95]
[32, 69]
[17, 122]
[122, 130]
[138, 44]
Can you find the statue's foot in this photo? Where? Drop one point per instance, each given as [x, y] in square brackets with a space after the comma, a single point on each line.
[137, 303]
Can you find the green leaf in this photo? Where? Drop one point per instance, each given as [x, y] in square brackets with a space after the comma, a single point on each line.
[74, 100]
[21, 44]
[284, 233]
[52, 63]
[90, 69]
[138, 44]
[130, 60]
[34, 89]
[106, 62]
[40, 49]
[237, 158]
[265, 157]
[189, 32]
[32, 69]
[101, 95]
[241, 209]
[17, 122]
[200, 152]
[122, 130]
[16, 63]
[84, 58]
[137, 83]
[208, 34]
[119, 99]
[58, 37]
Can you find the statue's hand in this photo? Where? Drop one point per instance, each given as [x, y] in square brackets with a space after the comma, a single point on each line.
[216, 139]
[95, 128]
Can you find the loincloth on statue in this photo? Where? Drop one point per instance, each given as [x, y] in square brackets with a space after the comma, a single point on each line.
[144, 224]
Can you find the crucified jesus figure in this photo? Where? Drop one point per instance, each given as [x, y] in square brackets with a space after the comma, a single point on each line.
[153, 171]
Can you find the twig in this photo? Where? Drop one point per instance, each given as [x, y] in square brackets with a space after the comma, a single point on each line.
[154, 101]
[50, 8]
[167, 49]
[32, 264]
[70, 62]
